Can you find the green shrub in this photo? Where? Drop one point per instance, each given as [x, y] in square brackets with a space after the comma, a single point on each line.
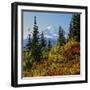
[27, 61]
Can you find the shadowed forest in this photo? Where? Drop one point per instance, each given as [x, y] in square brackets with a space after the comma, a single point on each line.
[42, 58]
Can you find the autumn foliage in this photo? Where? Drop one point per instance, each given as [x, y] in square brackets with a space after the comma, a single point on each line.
[62, 60]
[44, 59]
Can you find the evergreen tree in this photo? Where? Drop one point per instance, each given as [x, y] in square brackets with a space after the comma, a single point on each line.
[61, 38]
[28, 46]
[43, 42]
[76, 27]
[36, 52]
[49, 45]
[70, 32]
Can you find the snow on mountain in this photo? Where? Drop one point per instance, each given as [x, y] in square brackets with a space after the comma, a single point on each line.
[50, 33]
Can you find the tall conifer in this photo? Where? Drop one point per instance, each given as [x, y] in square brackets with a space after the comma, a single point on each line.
[36, 52]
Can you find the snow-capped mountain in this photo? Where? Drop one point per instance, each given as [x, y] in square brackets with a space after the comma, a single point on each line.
[50, 33]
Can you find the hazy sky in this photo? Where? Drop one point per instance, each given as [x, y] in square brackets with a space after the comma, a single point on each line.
[45, 21]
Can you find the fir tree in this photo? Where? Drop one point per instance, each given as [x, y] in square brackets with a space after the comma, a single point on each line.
[69, 37]
[36, 52]
[76, 27]
[28, 46]
[70, 30]
[61, 38]
[43, 42]
[49, 45]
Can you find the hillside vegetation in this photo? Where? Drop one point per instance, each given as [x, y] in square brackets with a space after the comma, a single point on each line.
[44, 59]
[64, 60]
